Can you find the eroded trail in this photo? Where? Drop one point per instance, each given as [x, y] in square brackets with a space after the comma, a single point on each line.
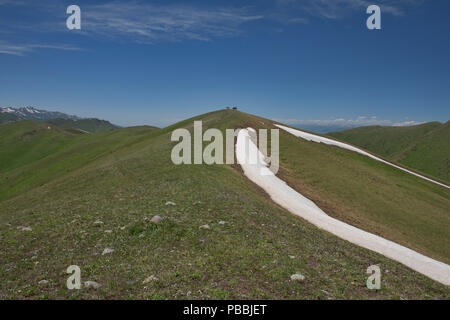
[316, 138]
[256, 169]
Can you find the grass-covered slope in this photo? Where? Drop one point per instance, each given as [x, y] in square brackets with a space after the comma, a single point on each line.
[72, 154]
[250, 254]
[89, 125]
[424, 147]
[24, 142]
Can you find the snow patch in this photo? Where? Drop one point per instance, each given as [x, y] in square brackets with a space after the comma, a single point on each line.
[319, 139]
[299, 205]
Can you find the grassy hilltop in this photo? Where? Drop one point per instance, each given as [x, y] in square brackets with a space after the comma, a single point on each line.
[424, 147]
[88, 192]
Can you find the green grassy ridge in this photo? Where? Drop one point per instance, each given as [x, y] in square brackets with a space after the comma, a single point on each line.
[71, 155]
[89, 125]
[424, 147]
[28, 141]
[370, 195]
[248, 257]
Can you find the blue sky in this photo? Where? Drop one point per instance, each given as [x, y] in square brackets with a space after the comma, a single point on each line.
[301, 61]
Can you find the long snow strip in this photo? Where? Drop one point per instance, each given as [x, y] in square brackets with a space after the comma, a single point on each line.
[256, 169]
[320, 139]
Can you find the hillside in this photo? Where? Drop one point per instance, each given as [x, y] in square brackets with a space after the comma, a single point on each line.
[88, 125]
[424, 147]
[7, 117]
[101, 190]
[27, 141]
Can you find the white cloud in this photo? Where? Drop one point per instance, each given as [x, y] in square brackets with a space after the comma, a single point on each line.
[406, 123]
[149, 22]
[22, 49]
[335, 9]
[143, 22]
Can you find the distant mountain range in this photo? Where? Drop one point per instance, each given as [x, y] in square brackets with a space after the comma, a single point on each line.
[91, 125]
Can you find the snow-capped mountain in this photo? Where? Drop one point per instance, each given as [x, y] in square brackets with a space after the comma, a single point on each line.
[9, 114]
[31, 113]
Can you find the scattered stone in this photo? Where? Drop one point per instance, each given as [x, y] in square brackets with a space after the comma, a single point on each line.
[98, 222]
[222, 222]
[297, 277]
[26, 229]
[156, 219]
[141, 235]
[326, 292]
[92, 284]
[170, 203]
[43, 282]
[292, 257]
[149, 279]
[122, 228]
[205, 226]
[107, 250]
[108, 231]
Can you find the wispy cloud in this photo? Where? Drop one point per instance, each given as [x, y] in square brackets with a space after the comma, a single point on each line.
[148, 22]
[348, 123]
[22, 49]
[144, 22]
[336, 9]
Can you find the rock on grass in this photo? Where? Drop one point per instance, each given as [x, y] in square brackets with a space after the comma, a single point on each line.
[92, 284]
[149, 279]
[107, 251]
[156, 219]
[297, 277]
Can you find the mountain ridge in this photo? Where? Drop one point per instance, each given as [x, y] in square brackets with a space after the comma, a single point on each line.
[101, 191]
[423, 147]
[91, 125]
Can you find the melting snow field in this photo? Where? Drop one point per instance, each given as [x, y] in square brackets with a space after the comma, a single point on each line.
[247, 155]
[320, 139]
